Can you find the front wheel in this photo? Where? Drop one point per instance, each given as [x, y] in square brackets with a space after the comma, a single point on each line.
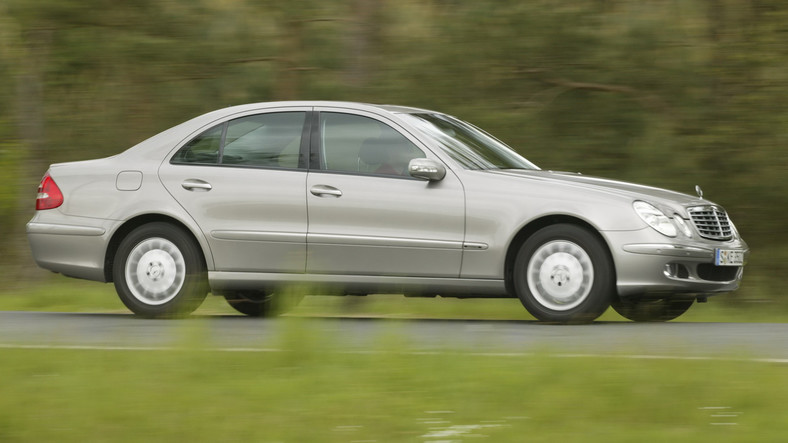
[651, 310]
[159, 271]
[563, 273]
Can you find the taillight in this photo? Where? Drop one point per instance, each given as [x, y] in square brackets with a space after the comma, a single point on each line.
[49, 195]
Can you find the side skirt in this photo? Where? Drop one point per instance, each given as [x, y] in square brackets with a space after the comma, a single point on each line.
[325, 284]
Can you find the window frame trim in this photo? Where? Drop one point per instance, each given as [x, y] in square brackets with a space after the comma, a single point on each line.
[317, 162]
[304, 148]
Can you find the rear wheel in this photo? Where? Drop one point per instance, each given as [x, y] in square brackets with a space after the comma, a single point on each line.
[563, 274]
[159, 271]
[651, 310]
[261, 303]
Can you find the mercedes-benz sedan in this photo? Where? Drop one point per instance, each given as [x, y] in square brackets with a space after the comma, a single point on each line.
[349, 198]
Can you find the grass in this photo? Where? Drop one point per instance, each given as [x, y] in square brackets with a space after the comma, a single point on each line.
[311, 390]
[62, 294]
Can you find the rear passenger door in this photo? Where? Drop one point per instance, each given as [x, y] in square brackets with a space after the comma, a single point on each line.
[243, 181]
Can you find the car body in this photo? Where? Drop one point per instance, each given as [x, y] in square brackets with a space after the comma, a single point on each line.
[353, 198]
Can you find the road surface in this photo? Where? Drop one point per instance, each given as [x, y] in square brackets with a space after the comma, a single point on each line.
[748, 341]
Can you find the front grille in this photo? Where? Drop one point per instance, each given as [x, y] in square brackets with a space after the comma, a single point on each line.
[711, 222]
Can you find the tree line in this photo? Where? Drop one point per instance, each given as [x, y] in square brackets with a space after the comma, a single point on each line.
[667, 93]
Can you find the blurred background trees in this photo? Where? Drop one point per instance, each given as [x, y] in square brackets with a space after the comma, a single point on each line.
[667, 93]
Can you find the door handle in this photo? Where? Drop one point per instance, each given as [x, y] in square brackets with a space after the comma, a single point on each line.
[196, 185]
[325, 191]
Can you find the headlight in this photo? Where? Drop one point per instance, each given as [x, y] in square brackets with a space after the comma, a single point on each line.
[682, 224]
[655, 218]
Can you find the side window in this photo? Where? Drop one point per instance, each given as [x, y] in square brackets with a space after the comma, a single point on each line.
[352, 143]
[270, 140]
[203, 149]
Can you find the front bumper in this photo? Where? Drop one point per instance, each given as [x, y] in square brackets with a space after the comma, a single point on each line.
[654, 267]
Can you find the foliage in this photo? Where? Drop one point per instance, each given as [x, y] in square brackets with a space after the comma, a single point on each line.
[671, 94]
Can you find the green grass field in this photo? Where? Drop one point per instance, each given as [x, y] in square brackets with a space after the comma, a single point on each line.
[312, 391]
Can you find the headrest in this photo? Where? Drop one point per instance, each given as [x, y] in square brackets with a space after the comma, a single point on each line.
[373, 151]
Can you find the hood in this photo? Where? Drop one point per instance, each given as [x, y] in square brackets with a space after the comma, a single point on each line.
[662, 198]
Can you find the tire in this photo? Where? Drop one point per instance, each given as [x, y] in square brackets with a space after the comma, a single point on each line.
[563, 273]
[651, 310]
[260, 303]
[159, 271]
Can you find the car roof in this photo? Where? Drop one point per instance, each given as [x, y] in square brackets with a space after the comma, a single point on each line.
[397, 109]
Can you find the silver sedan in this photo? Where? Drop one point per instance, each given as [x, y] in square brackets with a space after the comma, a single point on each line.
[349, 198]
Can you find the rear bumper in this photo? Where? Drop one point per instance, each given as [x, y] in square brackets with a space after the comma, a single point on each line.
[72, 250]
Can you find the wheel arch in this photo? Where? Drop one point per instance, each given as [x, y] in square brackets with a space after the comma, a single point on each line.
[133, 223]
[535, 225]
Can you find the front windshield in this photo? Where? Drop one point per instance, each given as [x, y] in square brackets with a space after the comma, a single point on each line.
[468, 145]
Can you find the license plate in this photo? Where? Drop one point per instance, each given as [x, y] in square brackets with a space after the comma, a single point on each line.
[728, 257]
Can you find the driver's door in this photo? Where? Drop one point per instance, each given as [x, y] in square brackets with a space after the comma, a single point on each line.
[367, 216]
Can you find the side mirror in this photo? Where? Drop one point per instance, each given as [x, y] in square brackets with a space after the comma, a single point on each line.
[426, 169]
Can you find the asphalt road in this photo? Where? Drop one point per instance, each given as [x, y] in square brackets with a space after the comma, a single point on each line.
[757, 341]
